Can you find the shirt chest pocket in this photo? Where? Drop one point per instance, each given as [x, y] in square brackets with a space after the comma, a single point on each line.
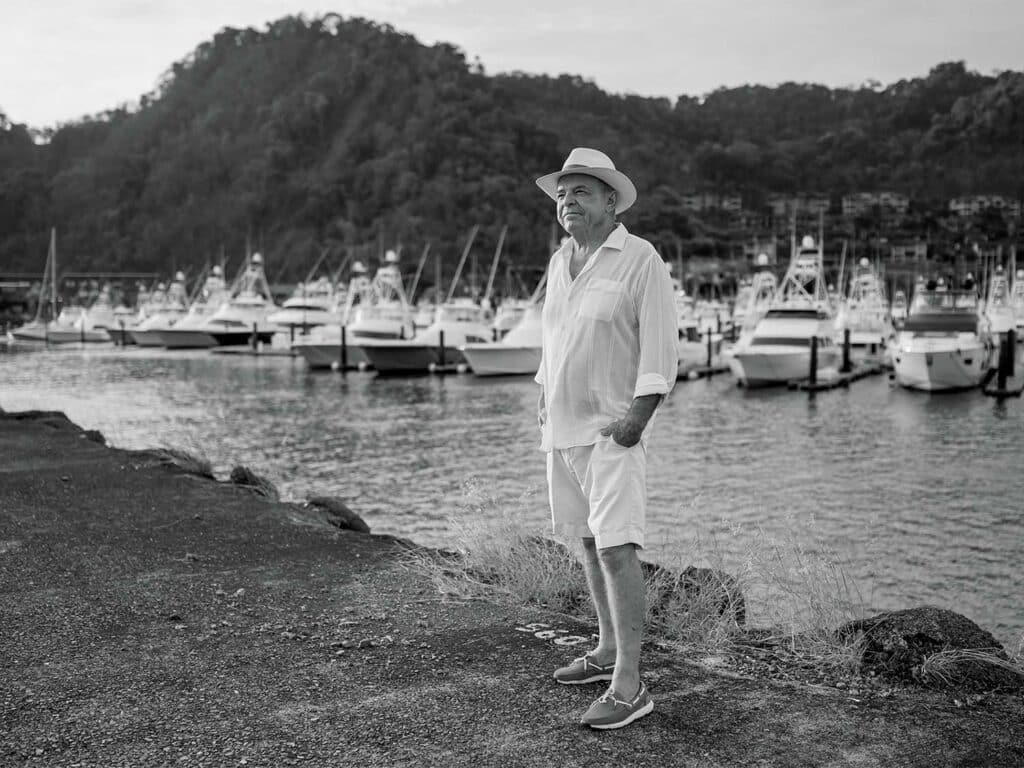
[601, 299]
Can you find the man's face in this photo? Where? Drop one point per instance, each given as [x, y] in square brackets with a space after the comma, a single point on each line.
[583, 203]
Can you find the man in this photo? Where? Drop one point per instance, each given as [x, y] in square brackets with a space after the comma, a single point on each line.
[609, 357]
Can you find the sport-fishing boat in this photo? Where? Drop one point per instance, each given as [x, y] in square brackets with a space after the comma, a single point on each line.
[374, 310]
[516, 353]
[945, 343]
[312, 303]
[458, 322]
[104, 315]
[779, 348]
[245, 312]
[864, 311]
[188, 333]
[162, 313]
[757, 300]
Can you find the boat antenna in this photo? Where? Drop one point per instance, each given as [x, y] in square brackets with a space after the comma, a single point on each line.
[316, 266]
[197, 287]
[494, 264]
[462, 261]
[419, 271]
[341, 267]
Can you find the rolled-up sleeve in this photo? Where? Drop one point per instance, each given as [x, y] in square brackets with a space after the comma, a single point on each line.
[658, 331]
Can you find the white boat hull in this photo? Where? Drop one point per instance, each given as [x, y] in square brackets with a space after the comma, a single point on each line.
[935, 369]
[54, 335]
[327, 355]
[768, 367]
[185, 338]
[146, 338]
[500, 359]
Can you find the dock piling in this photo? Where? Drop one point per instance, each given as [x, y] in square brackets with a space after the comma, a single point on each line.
[440, 349]
[847, 367]
[812, 374]
[344, 349]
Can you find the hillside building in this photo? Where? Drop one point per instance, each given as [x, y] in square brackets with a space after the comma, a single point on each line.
[970, 205]
[786, 205]
[861, 203]
[707, 201]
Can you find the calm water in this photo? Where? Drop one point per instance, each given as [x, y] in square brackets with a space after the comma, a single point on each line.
[921, 497]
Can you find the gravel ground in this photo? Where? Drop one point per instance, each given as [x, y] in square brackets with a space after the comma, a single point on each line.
[152, 618]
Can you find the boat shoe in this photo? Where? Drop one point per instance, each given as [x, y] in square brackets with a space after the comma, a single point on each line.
[610, 712]
[584, 670]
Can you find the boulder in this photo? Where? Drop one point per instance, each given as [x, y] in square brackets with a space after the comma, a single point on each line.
[904, 645]
[246, 478]
[95, 436]
[338, 514]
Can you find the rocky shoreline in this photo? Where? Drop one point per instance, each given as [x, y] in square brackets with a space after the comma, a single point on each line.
[152, 616]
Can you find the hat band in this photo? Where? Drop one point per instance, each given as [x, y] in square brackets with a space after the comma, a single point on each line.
[589, 167]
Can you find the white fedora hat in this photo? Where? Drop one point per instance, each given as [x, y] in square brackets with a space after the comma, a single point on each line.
[592, 162]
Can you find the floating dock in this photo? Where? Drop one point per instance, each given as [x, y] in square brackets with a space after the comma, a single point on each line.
[703, 372]
[250, 352]
[839, 380]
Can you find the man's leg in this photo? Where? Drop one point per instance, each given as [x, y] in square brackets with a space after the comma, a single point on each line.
[606, 651]
[623, 589]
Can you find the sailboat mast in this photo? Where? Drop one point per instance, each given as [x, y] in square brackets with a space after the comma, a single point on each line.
[494, 264]
[53, 269]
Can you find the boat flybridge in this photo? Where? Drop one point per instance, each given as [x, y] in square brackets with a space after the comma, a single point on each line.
[779, 348]
[187, 333]
[245, 312]
[167, 307]
[945, 344]
[864, 311]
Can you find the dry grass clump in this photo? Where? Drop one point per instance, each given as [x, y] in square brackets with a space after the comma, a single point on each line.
[494, 553]
[192, 461]
[954, 666]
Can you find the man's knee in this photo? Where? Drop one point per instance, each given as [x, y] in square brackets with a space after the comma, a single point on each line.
[617, 557]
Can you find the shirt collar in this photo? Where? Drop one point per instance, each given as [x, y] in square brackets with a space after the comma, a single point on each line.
[616, 240]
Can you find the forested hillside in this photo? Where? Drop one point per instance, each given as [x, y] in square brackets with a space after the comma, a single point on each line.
[330, 133]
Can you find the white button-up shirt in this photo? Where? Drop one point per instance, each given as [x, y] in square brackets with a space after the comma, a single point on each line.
[609, 336]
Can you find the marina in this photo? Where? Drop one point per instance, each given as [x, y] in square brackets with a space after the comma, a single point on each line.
[911, 493]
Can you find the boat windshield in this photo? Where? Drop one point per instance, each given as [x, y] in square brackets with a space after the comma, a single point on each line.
[937, 322]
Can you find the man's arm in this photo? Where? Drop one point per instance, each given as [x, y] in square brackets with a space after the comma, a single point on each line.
[628, 430]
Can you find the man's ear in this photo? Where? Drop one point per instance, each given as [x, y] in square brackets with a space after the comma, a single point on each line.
[613, 199]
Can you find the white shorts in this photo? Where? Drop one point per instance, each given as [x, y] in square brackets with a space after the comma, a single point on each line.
[599, 491]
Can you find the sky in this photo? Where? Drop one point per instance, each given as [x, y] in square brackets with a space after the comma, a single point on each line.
[62, 60]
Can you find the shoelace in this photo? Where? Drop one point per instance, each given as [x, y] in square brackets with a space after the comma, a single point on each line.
[609, 696]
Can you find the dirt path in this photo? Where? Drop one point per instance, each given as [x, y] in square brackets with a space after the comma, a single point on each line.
[149, 618]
